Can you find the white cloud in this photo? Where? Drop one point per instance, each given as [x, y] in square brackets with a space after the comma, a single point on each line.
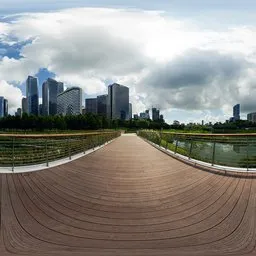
[12, 94]
[143, 50]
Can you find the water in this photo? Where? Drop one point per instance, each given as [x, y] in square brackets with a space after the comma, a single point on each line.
[235, 155]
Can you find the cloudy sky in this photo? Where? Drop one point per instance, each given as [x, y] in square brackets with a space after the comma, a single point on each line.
[194, 59]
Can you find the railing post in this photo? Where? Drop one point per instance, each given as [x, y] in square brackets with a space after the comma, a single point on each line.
[176, 145]
[213, 153]
[12, 154]
[247, 153]
[190, 150]
[166, 146]
[69, 152]
[46, 153]
[84, 144]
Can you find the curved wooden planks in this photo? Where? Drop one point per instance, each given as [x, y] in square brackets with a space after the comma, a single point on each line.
[127, 198]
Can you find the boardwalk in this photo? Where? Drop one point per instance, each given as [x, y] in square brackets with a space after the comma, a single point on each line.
[127, 198]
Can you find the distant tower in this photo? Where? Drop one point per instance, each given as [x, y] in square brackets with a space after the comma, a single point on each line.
[102, 105]
[24, 104]
[51, 88]
[236, 112]
[1, 106]
[130, 111]
[32, 95]
[155, 114]
[91, 105]
[118, 102]
[70, 101]
[5, 107]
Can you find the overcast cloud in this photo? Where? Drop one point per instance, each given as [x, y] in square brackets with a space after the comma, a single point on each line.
[167, 62]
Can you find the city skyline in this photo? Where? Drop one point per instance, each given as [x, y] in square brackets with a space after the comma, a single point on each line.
[192, 61]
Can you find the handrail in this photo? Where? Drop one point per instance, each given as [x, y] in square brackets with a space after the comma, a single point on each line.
[226, 150]
[212, 134]
[51, 134]
[33, 149]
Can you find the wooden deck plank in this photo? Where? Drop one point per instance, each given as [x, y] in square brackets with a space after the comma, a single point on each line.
[127, 198]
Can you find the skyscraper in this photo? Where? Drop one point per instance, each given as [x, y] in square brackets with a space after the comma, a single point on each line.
[130, 110]
[102, 105]
[32, 95]
[18, 112]
[40, 111]
[45, 99]
[5, 107]
[60, 87]
[24, 104]
[147, 113]
[118, 102]
[91, 105]
[69, 102]
[1, 106]
[252, 117]
[155, 114]
[50, 91]
[236, 112]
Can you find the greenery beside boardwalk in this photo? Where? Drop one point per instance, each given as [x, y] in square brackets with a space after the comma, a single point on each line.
[28, 150]
[89, 121]
[228, 150]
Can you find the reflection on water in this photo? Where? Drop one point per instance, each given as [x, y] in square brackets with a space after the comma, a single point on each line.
[225, 153]
[236, 148]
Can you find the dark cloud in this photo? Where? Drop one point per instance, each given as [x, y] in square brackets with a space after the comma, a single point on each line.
[196, 80]
[196, 68]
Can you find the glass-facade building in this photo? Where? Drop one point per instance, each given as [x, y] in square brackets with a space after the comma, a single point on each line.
[24, 105]
[32, 95]
[236, 112]
[60, 87]
[1, 106]
[130, 110]
[50, 90]
[155, 114]
[5, 107]
[102, 105]
[252, 117]
[91, 105]
[118, 102]
[69, 102]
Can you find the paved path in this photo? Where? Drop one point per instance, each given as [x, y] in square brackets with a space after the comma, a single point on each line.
[127, 198]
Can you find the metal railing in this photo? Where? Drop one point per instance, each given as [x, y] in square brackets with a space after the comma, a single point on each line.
[230, 150]
[23, 150]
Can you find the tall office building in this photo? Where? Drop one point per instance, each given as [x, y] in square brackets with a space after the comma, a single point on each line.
[102, 105]
[1, 106]
[32, 95]
[147, 114]
[18, 112]
[60, 87]
[5, 107]
[50, 91]
[118, 102]
[45, 99]
[24, 105]
[136, 116]
[130, 111]
[70, 101]
[236, 112]
[252, 117]
[143, 115]
[155, 114]
[91, 105]
[40, 109]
